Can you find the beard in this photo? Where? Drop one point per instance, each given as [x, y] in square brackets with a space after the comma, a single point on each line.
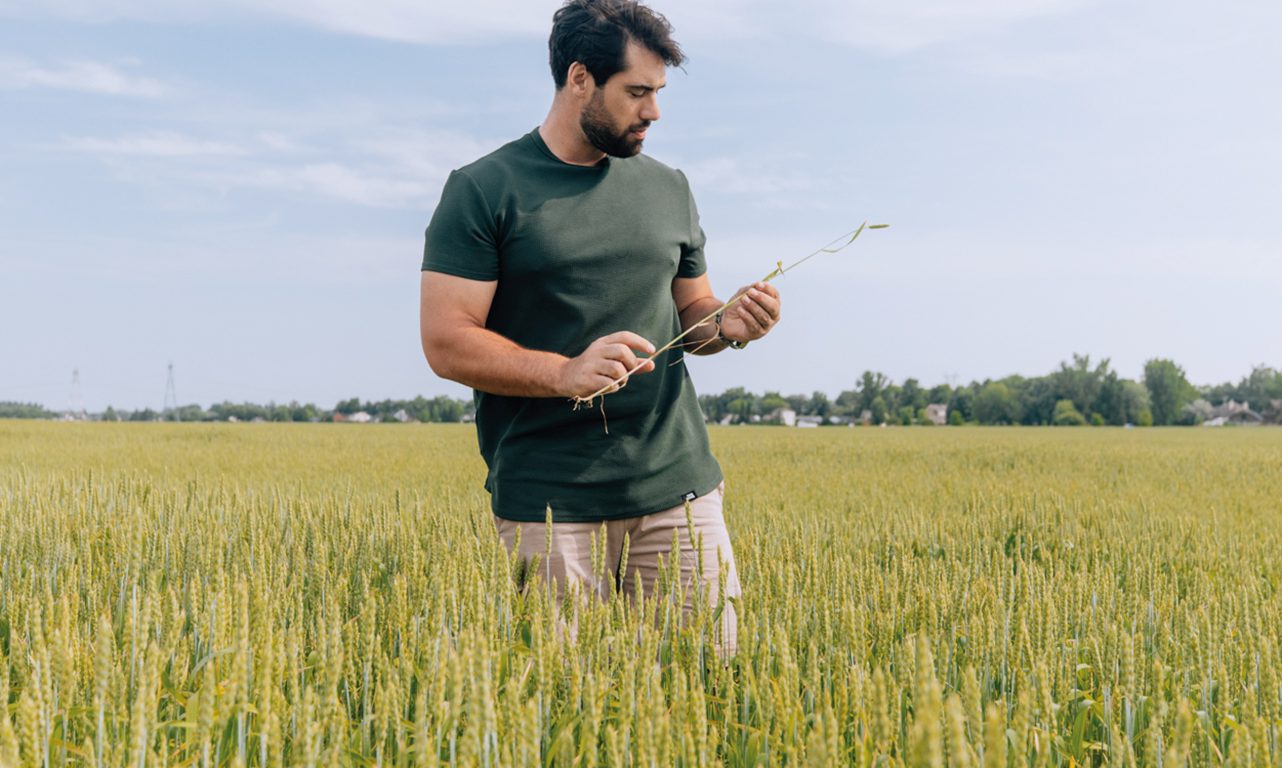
[599, 129]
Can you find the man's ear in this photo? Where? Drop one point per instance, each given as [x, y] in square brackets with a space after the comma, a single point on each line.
[578, 79]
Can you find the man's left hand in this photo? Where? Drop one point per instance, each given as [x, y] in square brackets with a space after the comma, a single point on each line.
[753, 316]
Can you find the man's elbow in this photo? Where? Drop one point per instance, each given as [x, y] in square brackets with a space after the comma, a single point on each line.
[438, 357]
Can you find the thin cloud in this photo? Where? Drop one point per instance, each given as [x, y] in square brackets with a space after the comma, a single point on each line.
[886, 28]
[152, 145]
[896, 28]
[401, 20]
[727, 176]
[369, 187]
[80, 75]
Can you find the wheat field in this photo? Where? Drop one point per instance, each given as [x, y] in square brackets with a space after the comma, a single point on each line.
[264, 595]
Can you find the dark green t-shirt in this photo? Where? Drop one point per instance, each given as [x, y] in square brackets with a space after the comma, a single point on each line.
[580, 252]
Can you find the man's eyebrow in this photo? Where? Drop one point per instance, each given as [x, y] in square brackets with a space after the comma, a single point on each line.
[644, 87]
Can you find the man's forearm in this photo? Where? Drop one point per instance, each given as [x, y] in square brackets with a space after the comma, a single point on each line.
[702, 340]
[482, 359]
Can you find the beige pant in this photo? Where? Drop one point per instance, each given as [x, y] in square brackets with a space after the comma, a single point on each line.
[649, 537]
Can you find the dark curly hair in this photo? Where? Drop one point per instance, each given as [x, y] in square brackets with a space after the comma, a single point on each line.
[595, 33]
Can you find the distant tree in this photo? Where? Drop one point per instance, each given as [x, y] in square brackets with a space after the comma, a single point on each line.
[1110, 402]
[445, 410]
[770, 402]
[996, 404]
[1037, 398]
[940, 393]
[226, 411]
[871, 386]
[955, 418]
[191, 412]
[847, 403]
[110, 414]
[878, 409]
[1080, 383]
[798, 403]
[1196, 412]
[1135, 404]
[710, 406]
[348, 407]
[1168, 390]
[892, 394]
[12, 410]
[1067, 415]
[742, 408]
[819, 405]
[911, 395]
[732, 396]
[962, 403]
[307, 412]
[146, 414]
[906, 415]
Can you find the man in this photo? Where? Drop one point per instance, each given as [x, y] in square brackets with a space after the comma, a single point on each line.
[552, 268]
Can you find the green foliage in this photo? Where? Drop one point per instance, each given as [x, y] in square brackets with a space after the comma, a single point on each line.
[1066, 415]
[878, 409]
[772, 401]
[1196, 412]
[995, 404]
[146, 414]
[1168, 390]
[12, 410]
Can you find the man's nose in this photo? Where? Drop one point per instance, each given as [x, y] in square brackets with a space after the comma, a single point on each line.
[650, 110]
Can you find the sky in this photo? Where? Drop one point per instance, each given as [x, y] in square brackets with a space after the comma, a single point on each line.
[240, 189]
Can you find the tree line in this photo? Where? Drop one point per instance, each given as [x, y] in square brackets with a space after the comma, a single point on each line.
[1077, 393]
[436, 409]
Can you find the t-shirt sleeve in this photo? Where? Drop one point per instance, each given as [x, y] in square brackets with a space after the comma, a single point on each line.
[462, 237]
[692, 262]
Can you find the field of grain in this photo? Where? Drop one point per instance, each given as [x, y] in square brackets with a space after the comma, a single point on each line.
[198, 595]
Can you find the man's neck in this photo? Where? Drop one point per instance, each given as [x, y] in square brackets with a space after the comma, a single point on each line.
[561, 132]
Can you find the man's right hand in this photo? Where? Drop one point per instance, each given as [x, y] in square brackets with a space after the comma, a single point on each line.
[605, 361]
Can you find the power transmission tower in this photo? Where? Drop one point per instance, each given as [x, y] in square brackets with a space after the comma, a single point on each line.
[171, 396]
[76, 407]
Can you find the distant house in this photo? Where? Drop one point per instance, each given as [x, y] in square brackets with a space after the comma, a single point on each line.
[937, 414]
[1233, 412]
[726, 420]
[784, 416]
[865, 416]
[809, 421]
[360, 417]
[402, 416]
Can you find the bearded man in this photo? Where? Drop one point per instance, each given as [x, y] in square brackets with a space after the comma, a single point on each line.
[552, 267]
